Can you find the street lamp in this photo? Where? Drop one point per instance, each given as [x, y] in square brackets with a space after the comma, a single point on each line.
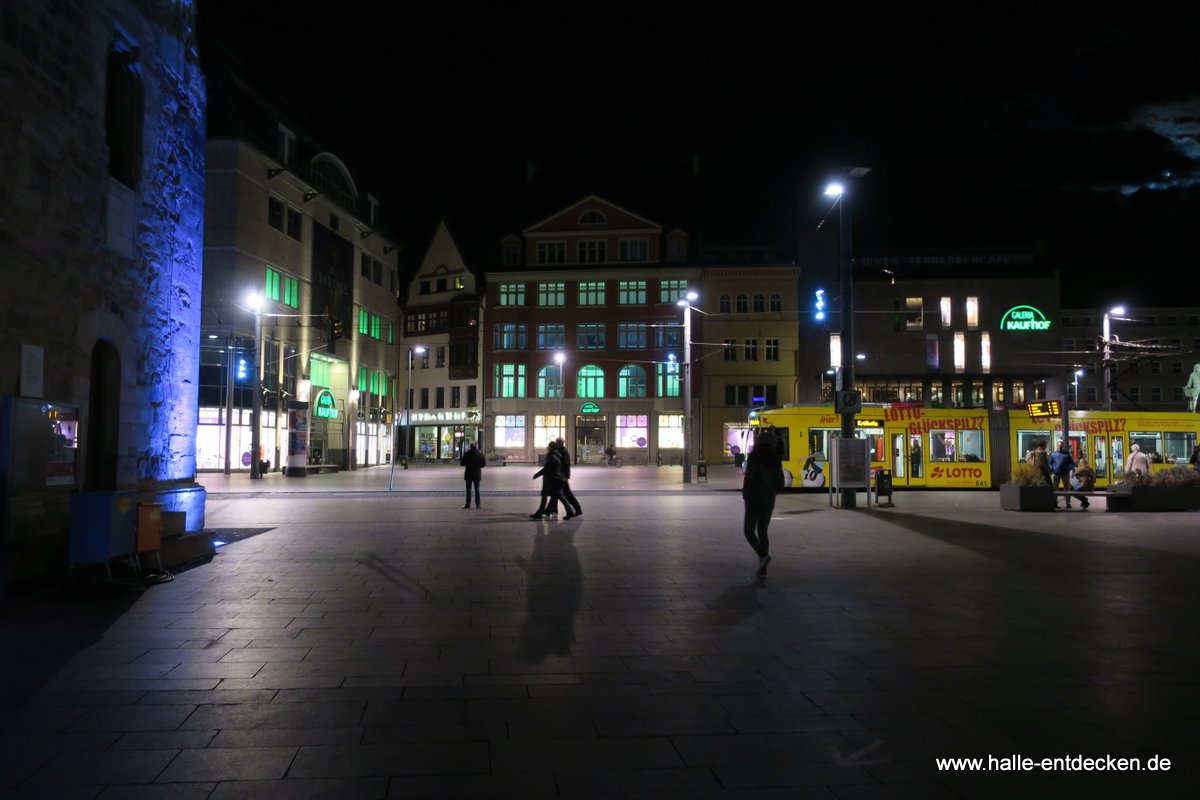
[419, 350]
[255, 302]
[1109, 388]
[1075, 382]
[841, 191]
[559, 358]
[686, 303]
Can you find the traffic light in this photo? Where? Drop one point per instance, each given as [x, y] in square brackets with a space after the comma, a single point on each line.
[335, 329]
[819, 305]
[243, 369]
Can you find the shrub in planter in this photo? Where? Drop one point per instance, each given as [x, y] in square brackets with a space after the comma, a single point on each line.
[1174, 489]
[1027, 491]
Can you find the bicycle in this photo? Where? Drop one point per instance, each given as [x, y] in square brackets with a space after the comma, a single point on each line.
[612, 461]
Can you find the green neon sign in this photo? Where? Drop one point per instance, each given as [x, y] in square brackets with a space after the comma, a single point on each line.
[325, 405]
[1024, 318]
[589, 408]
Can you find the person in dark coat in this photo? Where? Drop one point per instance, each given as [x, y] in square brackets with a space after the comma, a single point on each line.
[472, 463]
[551, 475]
[565, 473]
[762, 481]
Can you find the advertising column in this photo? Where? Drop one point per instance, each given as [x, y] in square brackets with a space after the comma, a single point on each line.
[297, 437]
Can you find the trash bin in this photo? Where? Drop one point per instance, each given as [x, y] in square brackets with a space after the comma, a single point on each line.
[883, 484]
[149, 527]
[702, 470]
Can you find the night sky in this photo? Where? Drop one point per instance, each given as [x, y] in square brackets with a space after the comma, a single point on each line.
[1026, 128]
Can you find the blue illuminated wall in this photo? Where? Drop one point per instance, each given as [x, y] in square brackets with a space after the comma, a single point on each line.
[91, 260]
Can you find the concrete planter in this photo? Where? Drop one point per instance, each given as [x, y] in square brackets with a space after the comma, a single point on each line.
[1154, 498]
[1026, 498]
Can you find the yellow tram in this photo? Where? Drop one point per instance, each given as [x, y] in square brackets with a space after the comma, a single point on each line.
[972, 448]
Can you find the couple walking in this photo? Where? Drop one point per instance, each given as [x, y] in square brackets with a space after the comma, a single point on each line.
[556, 483]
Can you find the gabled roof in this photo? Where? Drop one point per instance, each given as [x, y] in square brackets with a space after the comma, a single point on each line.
[567, 219]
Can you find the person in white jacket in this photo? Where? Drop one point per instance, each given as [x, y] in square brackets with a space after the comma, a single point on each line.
[1137, 461]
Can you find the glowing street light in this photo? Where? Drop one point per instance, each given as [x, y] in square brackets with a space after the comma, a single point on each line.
[559, 358]
[419, 350]
[686, 304]
[255, 302]
[1110, 389]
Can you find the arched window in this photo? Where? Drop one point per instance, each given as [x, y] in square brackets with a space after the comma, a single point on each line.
[632, 381]
[590, 382]
[743, 304]
[592, 217]
[726, 304]
[760, 304]
[549, 382]
[776, 301]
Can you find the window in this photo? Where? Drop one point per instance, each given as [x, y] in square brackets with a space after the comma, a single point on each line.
[124, 112]
[591, 293]
[591, 251]
[551, 294]
[511, 294]
[285, 145]
[771, 349]
[972, 312]
[760, 304]
[548, 427]
[960, 352]
[1068, 344]
[441, 356]
[631, 382]
[458, 282]
[633, 250]
[590, 382]
[591, 217]
[472, 395]
[1179, 444]
[589, 336]
[441, 284]
[1155, 367]
[291, 292]
[425, 287]
[668, 335]
[671, 291]
[668, 379]
[1176, 367]
[748, 395]
[776, 302]
[1135, 394]
[440, 397]
[1155, 394]
[632, 293]
[633, 430]
[510, 255]
[551, 337]
[508, 336]
[725, 304]
[743, 304]
[1091, 394]
[932, 357]
[364, 265]
[508, 380]
[276, 211]
[952, 445]
[510, 430]
[945, 305]
[552, 253]
[985, 351]
[455, 396]
[361, 384]
[425, 398]
[271, 290]
[549, 381]
[914, 314]
[752, 349]
[631, 336]
[293, 225]
[730, 349]
[670, 431]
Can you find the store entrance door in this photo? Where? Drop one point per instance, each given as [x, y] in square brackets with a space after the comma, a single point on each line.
[591, 437]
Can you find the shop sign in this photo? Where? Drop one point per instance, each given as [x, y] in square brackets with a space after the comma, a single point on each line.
[589, 408]
[325, 406]
[1024, 318]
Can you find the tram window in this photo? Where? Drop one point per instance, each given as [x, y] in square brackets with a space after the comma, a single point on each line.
[1027, 441]
[874, 445]
[818, 441]
[1179, 445]
[970, 446]
[1151, 444]
[941, 446]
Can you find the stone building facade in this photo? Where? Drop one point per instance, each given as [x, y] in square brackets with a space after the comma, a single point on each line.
[101, 224]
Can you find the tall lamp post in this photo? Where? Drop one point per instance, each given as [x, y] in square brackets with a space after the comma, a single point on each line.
[255, 302]
[418, 350]
[686, 303]
[559, 358]
[1109, 388]
[846, 270]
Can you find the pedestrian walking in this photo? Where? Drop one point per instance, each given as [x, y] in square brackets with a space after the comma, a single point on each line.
[472, 463]
[1137, 461]
[1061, 464]
[565, 481]
[551, 475]
[1085, 481]
[762, 481]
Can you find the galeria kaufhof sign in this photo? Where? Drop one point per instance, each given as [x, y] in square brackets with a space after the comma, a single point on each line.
[1024, 318]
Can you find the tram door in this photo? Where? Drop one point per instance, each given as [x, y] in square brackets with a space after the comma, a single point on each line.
[1109, 461]
[908, 464]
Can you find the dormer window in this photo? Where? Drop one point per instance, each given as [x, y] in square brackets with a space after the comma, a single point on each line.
[592, 217]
